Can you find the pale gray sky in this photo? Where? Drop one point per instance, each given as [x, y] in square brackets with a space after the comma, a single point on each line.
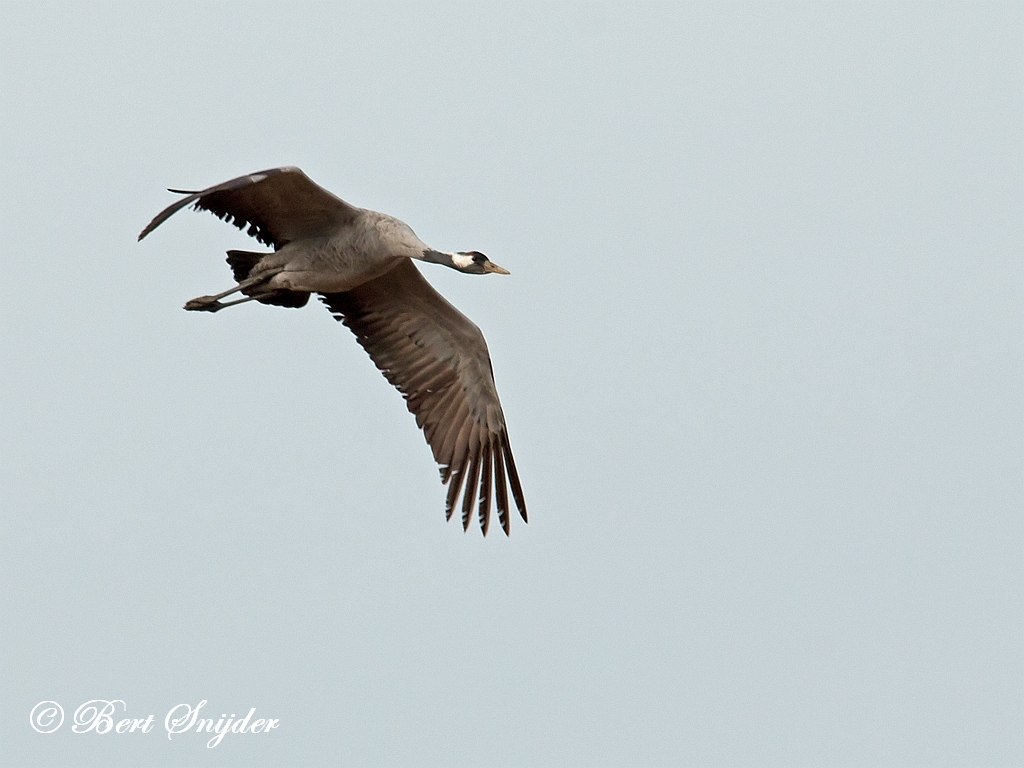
[760, 355]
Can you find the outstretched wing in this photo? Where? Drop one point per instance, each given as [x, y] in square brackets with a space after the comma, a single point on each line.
[277, 205]
[437, 358]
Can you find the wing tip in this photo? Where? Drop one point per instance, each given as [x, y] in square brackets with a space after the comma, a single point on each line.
[149, 228]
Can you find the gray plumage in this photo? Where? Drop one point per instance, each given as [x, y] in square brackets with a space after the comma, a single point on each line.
[359, 262]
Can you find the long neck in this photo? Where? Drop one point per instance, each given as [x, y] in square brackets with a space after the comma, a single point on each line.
[453, 260]
[437, 257]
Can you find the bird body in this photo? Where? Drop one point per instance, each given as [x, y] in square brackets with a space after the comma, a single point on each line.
[339, 262]
[360, 263]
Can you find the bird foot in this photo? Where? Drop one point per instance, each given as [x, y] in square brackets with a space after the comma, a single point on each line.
[203, 304]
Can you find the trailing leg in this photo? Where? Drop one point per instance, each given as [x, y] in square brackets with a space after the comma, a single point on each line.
[213, 303]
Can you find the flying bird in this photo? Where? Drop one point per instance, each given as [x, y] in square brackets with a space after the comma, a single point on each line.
[360, 263]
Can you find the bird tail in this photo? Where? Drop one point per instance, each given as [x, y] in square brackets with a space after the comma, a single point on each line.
[242, 262]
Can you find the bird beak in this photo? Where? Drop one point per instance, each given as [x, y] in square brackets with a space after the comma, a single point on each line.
[490, 266]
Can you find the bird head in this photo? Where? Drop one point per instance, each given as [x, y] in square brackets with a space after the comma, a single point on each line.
[475, 263]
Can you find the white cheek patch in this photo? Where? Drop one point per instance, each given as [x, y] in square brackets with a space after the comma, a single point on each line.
[461, 261]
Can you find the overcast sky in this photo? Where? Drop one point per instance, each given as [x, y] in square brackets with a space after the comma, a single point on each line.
[760, 355]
